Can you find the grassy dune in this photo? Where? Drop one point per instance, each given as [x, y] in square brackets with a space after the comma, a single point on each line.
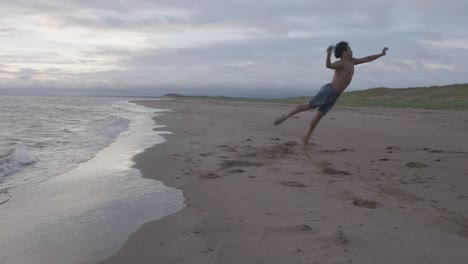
[451, 97]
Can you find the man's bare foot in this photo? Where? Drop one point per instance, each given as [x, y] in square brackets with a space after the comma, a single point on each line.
[280, 120]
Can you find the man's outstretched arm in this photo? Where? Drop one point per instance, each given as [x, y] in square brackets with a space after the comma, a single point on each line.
[370, 58]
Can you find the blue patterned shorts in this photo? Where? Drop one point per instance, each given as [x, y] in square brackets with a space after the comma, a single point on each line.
[325, 98]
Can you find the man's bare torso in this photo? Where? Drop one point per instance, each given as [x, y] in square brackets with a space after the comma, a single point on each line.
[343, 75]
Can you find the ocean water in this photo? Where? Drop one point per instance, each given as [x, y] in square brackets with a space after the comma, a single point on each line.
[68, 192]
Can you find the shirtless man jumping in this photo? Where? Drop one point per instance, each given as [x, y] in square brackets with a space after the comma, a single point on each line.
[329, 93]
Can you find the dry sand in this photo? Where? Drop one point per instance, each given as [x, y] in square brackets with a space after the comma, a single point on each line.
[379, 186]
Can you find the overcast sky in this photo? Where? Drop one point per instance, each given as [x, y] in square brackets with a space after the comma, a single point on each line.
[231, 47]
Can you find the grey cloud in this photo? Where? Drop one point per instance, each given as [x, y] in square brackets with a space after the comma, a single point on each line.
[246, 11]
[272, 64]
[268, 15]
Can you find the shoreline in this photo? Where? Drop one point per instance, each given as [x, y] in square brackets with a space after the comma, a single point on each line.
[253, 196]
[88, 212]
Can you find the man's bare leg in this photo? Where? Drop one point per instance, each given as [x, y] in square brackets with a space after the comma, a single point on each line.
[313, 124]
[297, 109]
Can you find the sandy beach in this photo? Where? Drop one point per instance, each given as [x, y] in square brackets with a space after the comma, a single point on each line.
[377, 185]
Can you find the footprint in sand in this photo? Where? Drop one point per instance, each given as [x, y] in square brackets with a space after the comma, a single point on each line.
[328, 169]
[227, 148]
[293, 184]
[341, 236]
[236, 171]
[250, 155]
[281, 149]
[365, 203]
[238, 163]
[210, 175]
[331, 171]
[416, 165]
[291, 143]
[207, 154]
[273, 152]
[337, 151]
[391, 149]
[433, 150]
[444, 151]
[299, 173]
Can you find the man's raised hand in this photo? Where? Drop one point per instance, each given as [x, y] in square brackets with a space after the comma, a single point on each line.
[384, 51]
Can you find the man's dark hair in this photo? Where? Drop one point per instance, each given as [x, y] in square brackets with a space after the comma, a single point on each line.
[339, 48]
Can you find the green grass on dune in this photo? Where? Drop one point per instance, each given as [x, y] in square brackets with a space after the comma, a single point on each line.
[451, 97]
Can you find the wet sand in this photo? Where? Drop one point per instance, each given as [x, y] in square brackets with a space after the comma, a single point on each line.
[376, 185]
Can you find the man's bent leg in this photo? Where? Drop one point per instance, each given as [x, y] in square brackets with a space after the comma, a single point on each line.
[297, 109]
